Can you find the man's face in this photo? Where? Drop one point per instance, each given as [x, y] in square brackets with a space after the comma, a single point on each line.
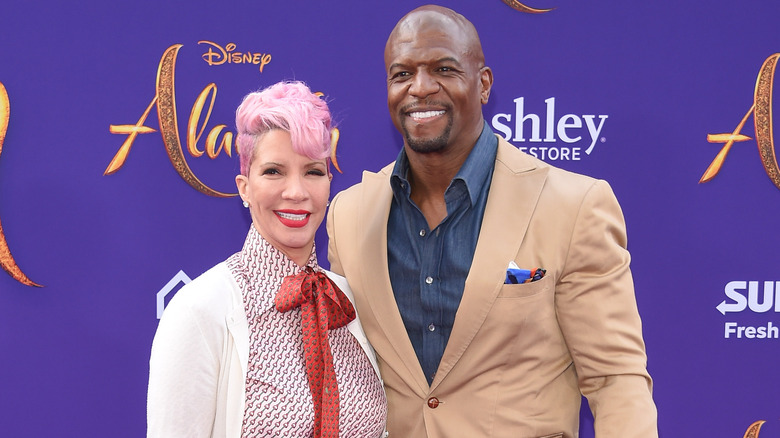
[435, 85]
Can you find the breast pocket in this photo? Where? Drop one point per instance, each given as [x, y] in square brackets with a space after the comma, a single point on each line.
[524, 290]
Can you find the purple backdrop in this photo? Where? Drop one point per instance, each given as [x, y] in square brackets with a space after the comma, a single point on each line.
[625, 92]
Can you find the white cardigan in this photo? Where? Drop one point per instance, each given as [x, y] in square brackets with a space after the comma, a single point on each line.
[197, 370]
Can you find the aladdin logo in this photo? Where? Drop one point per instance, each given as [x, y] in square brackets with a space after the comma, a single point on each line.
[569, 128]
[164, 101]
[758, 297]
[6, 259]
[230, 56]
[762, 119]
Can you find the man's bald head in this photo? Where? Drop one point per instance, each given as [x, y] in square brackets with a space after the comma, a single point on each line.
[444, 20]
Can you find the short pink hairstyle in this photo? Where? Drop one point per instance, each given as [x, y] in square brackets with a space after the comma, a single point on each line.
[289, 106]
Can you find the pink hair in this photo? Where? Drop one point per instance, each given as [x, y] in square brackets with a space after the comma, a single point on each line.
[289, 106]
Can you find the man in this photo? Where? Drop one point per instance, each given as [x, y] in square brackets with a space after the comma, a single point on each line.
[426, 244]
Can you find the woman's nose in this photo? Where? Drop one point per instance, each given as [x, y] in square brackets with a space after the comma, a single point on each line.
[295, 189]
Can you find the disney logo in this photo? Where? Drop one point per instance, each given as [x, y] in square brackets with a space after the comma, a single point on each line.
[217, 55]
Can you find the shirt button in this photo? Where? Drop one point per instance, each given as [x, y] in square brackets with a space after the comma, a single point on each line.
[431, 327]
[433, 402]
[429, 280]
[422, 233]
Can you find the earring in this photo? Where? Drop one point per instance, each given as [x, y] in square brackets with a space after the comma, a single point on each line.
[246, 204]
[327, 204]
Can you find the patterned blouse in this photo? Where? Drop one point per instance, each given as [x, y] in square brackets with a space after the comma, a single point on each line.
[278, 399]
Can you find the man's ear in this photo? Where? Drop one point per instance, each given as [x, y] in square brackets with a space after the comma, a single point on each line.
[486, 79]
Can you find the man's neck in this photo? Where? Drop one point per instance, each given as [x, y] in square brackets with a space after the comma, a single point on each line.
[429, 176]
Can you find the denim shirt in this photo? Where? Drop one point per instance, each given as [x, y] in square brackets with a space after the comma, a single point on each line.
[428, 268]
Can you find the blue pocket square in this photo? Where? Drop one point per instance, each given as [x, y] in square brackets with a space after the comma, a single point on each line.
[515, 275]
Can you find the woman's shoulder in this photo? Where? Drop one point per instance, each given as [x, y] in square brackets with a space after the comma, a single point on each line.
[214, 291]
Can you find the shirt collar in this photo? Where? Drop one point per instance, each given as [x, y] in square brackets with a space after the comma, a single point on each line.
[474, 172]
[257, 250]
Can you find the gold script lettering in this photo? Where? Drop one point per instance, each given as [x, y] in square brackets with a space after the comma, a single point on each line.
[762, 119]
[132, 132]
[165, 103]
[514, 4]
[754, 429]
[197, 109]
[228, 54]
[211, 142]
[214, 58]
[334, 140]
[6, 259]
[166, 113]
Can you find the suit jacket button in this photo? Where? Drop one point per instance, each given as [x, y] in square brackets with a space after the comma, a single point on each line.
[433, 402]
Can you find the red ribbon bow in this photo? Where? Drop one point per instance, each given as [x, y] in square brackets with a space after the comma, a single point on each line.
[323, 306]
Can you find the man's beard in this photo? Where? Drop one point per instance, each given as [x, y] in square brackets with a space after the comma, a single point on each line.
[429, 145]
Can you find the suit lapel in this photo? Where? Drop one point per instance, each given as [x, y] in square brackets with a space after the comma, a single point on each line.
[514, 190]
[372, 227]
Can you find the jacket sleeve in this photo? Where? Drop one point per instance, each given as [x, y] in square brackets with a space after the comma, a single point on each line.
[597, 313]
[333, 253]
[183, 373]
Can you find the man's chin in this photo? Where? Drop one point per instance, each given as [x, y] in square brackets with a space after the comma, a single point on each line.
[426, 145]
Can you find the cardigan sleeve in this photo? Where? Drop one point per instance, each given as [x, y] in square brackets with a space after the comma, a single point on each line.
[183, 370]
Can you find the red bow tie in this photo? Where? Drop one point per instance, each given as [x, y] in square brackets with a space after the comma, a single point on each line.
[323, 306]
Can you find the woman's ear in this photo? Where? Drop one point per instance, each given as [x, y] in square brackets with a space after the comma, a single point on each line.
[241, 184]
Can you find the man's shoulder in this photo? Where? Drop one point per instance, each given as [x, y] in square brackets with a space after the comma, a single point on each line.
[370, 181]
[518, 162]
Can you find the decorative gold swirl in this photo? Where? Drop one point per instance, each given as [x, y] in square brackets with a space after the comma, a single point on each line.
[6, 259]
[514, 4]
[166, 113]
[762, 118]
[754, 429]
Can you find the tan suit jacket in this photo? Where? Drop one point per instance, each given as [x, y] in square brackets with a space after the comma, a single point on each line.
[519, 355]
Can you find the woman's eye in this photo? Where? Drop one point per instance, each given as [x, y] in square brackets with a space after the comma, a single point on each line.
[271, 171]
[316, 172]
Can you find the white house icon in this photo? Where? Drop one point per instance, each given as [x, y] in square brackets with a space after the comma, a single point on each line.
[180, 277]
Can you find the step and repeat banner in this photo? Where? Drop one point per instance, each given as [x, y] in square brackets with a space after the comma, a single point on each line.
[118, 157]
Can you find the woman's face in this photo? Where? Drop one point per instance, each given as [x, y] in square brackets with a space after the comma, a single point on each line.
[287, 194]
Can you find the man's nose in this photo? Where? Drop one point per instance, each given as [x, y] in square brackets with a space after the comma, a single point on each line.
[423, 84]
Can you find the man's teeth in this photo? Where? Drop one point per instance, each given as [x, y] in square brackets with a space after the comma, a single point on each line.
[292, 217]
[425, 114]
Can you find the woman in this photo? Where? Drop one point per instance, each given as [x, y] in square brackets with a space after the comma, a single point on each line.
[265, 344]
